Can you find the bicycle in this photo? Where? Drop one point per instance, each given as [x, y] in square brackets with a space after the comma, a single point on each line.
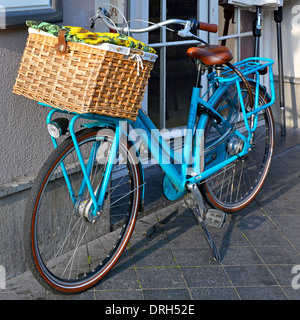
[85, 200]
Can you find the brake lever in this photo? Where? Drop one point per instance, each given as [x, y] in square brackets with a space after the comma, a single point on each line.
[104, 11]
[92, 21]
[98, 15]
[186, 33]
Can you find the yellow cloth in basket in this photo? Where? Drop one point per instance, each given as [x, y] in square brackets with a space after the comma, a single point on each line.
[78, 34]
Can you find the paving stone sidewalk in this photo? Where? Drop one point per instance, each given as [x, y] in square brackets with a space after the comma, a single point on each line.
[169, 259]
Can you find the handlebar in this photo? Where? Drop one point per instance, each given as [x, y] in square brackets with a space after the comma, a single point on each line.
[189, 25]
[147, 29]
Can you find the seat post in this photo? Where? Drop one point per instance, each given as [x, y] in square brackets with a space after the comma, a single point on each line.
[199, 75]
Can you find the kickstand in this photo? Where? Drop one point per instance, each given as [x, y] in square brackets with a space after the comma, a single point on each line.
[195, 202]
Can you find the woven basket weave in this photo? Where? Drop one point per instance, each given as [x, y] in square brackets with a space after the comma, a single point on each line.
[87, 79]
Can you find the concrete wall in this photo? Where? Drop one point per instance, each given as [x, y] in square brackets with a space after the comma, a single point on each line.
[24, 140]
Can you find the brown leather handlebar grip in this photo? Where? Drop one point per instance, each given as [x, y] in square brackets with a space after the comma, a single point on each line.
[208, 27]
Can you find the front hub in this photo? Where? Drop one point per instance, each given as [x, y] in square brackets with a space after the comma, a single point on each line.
[84, 210]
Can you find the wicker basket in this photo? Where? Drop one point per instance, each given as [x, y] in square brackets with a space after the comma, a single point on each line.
[104, 79]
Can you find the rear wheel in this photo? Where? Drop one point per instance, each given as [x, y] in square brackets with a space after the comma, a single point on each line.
[236, 185]
[66, 252]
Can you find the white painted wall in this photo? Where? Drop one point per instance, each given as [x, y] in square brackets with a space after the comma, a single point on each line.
[290, 37]
[291, 56]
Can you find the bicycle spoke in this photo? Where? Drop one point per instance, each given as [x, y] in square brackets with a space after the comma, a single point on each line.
[232, 187]
[72, 259]
[71, 247]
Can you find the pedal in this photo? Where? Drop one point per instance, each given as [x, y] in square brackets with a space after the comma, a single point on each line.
[215, 218]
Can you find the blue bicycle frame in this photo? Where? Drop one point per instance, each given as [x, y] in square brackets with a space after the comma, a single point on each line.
[180, 169]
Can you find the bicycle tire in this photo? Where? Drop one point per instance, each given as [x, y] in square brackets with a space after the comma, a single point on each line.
[66, 253]
[226, 190]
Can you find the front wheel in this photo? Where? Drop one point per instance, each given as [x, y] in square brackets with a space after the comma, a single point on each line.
[66, 252]
[236, 185]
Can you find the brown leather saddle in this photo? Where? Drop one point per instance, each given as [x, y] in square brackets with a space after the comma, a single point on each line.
[211, 55]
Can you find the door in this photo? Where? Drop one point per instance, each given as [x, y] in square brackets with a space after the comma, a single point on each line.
[174, 74]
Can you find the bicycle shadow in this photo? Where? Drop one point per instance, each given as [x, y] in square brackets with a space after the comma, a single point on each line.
[156, 237]
[175, 227]
[251, 218]
[279, 195]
